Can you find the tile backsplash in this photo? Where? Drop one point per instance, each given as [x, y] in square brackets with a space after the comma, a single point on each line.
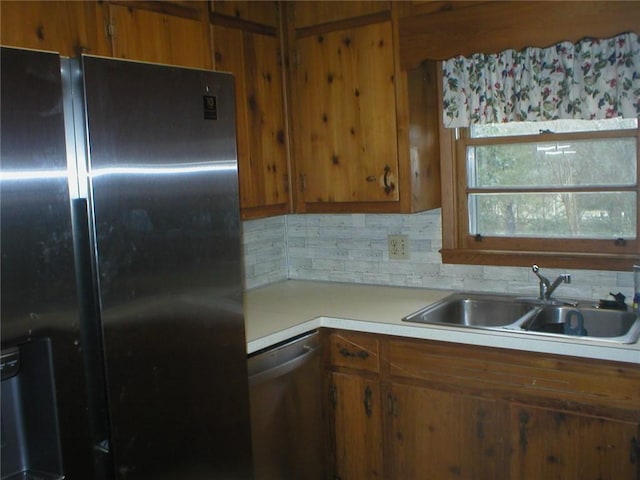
[264, 243]
[354, 248]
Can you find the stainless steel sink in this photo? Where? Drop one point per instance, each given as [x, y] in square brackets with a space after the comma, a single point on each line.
[575, 319]
[584, 321]
[473, 310]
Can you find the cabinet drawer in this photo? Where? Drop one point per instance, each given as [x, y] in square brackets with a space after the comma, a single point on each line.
[514, 373]
[354, 351]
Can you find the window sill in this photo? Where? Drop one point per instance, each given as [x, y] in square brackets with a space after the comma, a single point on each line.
[588, 261]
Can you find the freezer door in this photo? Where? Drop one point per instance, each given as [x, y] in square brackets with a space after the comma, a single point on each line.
[38, 288]
[162, 162]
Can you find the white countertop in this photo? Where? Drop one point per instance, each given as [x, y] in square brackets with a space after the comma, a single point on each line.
[279, 311]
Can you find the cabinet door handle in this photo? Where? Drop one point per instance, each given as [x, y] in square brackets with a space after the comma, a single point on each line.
[368, 401]
[333, 396]
[392, 407]
[362, 354]
[388, 184]
[635, 450]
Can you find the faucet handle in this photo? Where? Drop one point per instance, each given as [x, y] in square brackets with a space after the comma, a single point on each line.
[536, 269]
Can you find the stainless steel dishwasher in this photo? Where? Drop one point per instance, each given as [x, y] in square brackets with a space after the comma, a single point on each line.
[286, 410]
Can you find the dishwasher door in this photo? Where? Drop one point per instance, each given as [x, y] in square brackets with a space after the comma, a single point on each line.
[285, 385]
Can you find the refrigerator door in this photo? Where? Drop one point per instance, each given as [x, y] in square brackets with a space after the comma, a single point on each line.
[162, 164]
[45, 421]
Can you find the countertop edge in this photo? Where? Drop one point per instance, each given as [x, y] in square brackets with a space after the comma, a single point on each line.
[453, 335]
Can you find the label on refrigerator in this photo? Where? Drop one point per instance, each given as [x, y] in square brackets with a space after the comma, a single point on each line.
[210, 107]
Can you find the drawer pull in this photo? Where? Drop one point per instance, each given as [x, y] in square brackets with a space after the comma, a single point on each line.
[362, 354]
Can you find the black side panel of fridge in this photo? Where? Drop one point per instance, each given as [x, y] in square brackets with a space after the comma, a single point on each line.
[164, 193]
[39, 316]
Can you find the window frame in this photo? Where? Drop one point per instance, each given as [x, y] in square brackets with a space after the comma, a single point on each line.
[460, 247]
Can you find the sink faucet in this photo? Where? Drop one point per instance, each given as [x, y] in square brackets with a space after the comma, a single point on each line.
[547, 287]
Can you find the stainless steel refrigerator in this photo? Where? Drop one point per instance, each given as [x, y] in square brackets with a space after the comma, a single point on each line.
[123, 346]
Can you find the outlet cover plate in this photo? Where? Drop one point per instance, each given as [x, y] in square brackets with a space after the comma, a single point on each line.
[398, 247]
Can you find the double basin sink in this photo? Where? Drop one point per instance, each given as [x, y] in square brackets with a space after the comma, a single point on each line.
[574, 319]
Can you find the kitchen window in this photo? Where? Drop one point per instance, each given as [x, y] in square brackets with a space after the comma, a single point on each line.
[566, 190]
[540, 154]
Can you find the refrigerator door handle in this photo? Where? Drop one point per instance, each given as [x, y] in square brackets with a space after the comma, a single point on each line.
[91, 335]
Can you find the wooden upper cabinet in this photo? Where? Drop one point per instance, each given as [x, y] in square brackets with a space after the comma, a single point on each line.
[365, 132]
[259, 12]
[253, 54]
[347, 149]
[261, 128]
[69, 28]
[309, 14]
[155, 36]
[175, 33]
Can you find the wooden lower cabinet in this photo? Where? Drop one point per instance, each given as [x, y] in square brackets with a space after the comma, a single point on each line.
[417, 409]
[355, 406]
[357, 422]
[440, 435]
[555, 444]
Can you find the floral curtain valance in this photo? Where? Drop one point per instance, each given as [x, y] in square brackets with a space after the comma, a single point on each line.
[592, 79]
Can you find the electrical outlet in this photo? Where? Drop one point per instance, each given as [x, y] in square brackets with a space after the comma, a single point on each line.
[398, 247]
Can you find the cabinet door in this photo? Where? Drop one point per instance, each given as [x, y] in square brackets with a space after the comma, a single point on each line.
[148, 36]
[70, 28]
[553, 444]
[254, 59]
[441, 435]
[345, 124]
[357, 427]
